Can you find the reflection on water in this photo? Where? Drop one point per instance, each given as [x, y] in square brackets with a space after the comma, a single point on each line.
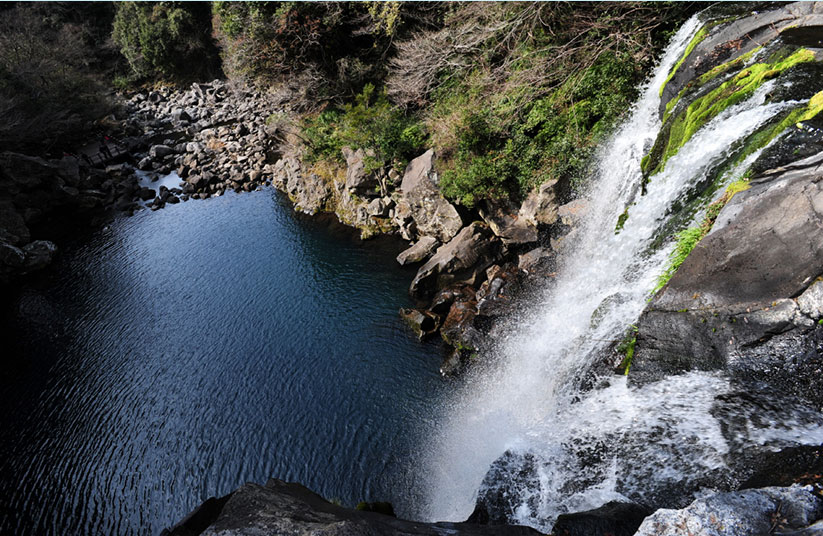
[180, 353]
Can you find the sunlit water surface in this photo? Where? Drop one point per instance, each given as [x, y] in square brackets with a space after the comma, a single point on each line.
[178, 354]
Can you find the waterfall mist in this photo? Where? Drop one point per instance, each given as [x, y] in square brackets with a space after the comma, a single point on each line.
[534, 427]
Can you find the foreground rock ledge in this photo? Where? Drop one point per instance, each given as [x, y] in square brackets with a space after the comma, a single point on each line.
[288, 508]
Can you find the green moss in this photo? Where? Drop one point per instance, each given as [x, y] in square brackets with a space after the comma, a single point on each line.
[687, 239]
[706, 77]
[763, 137]
[698, 37]
[627, 347]
[705, 108]
[621, 221]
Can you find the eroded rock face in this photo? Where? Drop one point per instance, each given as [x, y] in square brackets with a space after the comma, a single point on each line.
[464, 258]
[512, 229]
[357, 180]
[283, 508]
[746, 298]
[419, 251]
[740, 513]
[540, 206]
[422, 201]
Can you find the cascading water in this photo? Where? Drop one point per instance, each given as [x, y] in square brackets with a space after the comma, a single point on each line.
[554, 447]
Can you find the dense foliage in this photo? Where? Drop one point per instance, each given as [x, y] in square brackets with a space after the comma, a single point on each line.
[169, 40]
[372, 123]
[49, 88]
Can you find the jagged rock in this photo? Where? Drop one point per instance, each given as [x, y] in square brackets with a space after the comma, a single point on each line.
[422, 200]
[458, 328]
[39, 254]
[27, 172]
[613, 519]
[13, 228]
[420, 251]
[10, 256]
[731, 303]
[540, 206]
[464, 258]
[538, 261]
[443, 300]
[160, 151]
[496, 297]
[377, 207]
[145, 164]
[423, 323]
[281, 508]
[146, 194]
[357, 180]
[740, 513]
[572, 212]
[508, 226]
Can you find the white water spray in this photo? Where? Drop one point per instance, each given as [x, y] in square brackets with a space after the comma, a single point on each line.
[571, 450]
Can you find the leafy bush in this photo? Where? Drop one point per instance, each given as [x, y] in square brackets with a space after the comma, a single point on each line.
[498, 156]
[48, 91]
[169, 40]
[371, 123]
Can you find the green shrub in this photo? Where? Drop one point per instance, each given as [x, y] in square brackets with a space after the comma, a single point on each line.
[370, 123]
[169, 40]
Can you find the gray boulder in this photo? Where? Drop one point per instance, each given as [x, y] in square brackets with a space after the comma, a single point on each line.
[308, 192]
[158, 152]
[540, 206]
[286, 508]
[39, 254]
[419, 251]
[464, 258]
[752, 512]
[13, 228]
[357, 180]
[10, 256]
[746, 296]
[508, 226]
[422, 200]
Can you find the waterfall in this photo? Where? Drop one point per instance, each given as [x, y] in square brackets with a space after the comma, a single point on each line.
[566, 448]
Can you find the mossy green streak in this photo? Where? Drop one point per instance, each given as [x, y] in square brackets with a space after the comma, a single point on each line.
[705, 108]
[698, 37]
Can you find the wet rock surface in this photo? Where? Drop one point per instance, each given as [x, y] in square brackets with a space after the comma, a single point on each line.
[284, 508]
[747, 299]
[740, 513]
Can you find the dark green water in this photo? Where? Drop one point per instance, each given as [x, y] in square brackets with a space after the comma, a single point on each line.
[178, 354]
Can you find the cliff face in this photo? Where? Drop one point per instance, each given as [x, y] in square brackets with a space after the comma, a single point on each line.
[748, 299]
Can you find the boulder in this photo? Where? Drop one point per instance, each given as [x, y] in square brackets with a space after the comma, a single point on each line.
[146, 194]
[614, 519]
[309, 192]
[39, 254]
[458, 327]
[13, 228]
[421, 198]
[423, 323]
[27, 172]
[751, 512]
[377, 207]
[463, 258]
[419, 251]
[10, 256]
[287, 508]
[357, 180]
[540, 206]
[747, 296]
[158, 152]
[497, 296]
[508, 226]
